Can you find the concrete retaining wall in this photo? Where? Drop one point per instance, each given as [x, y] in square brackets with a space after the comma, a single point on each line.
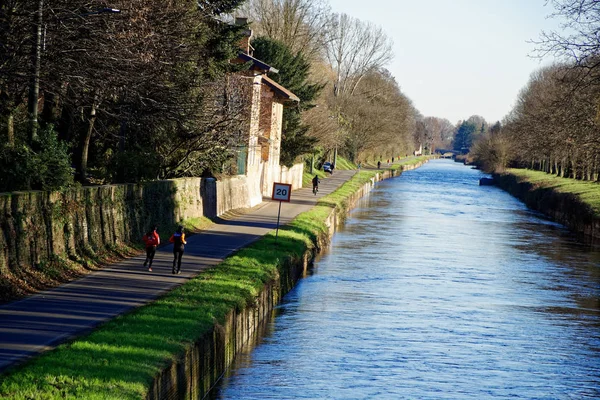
[203, 363]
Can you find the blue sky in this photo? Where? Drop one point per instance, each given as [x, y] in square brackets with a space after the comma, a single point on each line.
[457, 58]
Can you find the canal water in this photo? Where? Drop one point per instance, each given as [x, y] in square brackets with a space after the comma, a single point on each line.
[435, 288]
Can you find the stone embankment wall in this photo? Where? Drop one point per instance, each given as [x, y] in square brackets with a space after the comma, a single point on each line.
[204, 362]
[564, 208]
[37, 226]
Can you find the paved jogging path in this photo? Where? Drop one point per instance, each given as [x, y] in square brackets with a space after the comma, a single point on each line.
[42, 321]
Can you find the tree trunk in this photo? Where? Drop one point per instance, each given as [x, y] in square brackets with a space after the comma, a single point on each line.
[7, 114]
[86, 144]
[10, 128]
[34, 88]
[49, 110]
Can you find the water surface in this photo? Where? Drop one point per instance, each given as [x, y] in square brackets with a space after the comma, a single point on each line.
[436, 288]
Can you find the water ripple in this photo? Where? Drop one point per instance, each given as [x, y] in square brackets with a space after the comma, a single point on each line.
[435, 289]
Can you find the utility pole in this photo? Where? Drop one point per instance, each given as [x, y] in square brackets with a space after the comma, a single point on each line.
[34, 88]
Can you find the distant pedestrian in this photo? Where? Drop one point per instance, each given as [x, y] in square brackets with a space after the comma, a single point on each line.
[152, 240]
[392, 159]
[359, 165]
[332, 168]
[378, 164]
[178, 240]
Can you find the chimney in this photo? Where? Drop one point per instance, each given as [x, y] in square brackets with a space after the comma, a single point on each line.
[245, 41]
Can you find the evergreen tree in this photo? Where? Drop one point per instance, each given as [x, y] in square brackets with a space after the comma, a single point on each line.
[293, 75]
[464, 137]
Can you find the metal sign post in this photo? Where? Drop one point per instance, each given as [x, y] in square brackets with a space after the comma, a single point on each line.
[281, 192]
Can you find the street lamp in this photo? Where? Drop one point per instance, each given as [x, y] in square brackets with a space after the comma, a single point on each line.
[34, 88]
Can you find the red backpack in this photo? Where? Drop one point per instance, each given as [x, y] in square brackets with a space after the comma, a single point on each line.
[150, 240]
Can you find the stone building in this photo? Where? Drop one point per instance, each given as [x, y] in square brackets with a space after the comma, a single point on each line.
[259, 162]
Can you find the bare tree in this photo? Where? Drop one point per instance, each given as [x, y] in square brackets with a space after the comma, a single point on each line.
[299, 24]
[579, 39]
[378, 118]
[16, 17]
[493, 150]
[553, 127]
[439, 132]
[355, 48]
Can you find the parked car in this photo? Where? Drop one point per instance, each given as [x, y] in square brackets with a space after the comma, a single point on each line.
[327, 167]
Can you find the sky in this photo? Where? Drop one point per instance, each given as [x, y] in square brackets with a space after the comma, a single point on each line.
[457, 58]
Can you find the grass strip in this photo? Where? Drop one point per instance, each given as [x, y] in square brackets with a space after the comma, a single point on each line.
[588, 192]
[121, 358]
[412, 161]
[344, 164]
[307, 177]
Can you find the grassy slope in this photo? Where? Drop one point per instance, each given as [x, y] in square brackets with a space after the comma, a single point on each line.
[120, 359]
[342, 164]
[588, 192]
[412, 161]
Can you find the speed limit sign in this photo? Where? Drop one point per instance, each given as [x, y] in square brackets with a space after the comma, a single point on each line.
[282, 191]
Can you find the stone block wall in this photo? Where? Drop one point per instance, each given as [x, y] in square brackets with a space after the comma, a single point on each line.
[232, 193]
[35, 226]
[281, 174]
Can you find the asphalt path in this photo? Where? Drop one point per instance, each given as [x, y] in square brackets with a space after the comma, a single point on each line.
[41, 322]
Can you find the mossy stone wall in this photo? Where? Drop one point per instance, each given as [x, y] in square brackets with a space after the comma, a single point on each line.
[36, 226]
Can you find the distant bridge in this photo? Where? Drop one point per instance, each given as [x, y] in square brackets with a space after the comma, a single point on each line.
[447, 153]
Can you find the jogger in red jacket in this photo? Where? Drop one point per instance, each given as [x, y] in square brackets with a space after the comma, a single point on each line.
[152, 239]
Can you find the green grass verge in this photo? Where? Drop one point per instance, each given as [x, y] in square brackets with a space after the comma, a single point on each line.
[121, 358]
[344, 164]
[307, 177]
[338, 198]
[411, 161]
[588, 192]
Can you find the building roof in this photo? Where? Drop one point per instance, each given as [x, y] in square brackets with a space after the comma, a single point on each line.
[256, 63]
[280, 90]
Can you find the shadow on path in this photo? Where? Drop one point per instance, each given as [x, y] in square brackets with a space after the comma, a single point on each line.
[42, 321]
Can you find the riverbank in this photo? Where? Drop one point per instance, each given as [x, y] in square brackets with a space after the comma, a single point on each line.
[182, 343]
[573, 203]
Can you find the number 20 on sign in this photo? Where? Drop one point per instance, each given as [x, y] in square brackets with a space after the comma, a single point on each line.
[281, 192]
